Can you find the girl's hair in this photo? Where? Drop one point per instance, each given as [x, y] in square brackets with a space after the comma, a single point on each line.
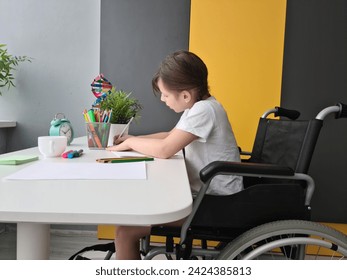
[183, 70]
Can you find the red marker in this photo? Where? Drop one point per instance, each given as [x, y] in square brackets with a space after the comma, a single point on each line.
[64, 155]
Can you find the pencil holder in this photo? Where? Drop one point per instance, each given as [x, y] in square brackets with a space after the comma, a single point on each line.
[97, 135]
[117, 129]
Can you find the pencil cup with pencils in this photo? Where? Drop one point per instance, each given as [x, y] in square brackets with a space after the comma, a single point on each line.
[97, 135]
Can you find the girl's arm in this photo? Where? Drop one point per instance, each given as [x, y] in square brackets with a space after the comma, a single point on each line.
[159, 135]
[166, 147]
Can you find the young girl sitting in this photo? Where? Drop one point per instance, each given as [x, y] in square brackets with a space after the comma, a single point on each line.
[203, 131]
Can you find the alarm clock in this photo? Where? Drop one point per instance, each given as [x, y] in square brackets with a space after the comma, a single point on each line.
[60, 126]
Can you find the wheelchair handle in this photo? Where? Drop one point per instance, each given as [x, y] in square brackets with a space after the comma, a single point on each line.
[343, 111]
[339, 109]
[282, 112]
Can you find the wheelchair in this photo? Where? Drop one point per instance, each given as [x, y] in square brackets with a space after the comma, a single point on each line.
[270, 217]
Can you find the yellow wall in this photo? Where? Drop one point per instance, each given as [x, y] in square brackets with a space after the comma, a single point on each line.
[241, 41]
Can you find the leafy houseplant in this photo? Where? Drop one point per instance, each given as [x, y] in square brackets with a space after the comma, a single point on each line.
[7, 64]
[123, 106]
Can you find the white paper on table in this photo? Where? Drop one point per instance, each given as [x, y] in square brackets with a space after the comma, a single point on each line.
[81, 171]
[128, 154]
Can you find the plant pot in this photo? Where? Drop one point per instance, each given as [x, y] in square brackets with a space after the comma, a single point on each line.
[116, 129]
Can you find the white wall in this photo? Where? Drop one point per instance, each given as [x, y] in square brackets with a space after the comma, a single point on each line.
[63, 38]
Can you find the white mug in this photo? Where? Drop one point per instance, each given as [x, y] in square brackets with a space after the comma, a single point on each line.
[52, 146]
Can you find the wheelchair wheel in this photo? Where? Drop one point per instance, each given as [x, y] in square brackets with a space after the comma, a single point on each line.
[288, 239]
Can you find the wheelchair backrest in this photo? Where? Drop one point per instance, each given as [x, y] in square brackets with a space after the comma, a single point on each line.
[286, 142]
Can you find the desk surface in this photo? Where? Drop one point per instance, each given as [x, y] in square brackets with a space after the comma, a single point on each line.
[163, 197]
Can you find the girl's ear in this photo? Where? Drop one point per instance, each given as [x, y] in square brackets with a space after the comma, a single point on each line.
[187, 96]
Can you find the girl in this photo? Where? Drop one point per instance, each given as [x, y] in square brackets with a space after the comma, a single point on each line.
[203, 131]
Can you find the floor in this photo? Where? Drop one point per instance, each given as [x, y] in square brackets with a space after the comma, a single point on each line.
[64, 243]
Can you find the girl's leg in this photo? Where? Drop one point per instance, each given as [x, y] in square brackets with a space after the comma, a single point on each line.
[127, 241]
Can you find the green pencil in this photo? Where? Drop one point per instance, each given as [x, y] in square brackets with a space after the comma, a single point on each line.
[124, 159]
[130, 160]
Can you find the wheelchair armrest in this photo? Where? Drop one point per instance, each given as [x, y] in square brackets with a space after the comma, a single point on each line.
[243, 168]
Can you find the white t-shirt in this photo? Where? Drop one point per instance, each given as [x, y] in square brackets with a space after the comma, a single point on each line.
[208, 120]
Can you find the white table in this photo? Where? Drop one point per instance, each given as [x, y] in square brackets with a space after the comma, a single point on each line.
[163, 197]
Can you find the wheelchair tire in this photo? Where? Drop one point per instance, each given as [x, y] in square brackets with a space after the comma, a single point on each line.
[288, 239]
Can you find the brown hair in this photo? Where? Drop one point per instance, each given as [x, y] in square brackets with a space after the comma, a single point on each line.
[183, 70]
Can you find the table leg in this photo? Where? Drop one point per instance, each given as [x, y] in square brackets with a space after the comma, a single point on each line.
[33, 241]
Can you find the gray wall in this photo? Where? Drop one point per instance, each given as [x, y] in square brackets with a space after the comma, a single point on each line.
[135, 36]
[63, 38]
[314, 77]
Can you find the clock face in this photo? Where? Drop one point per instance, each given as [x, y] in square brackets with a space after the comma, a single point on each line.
[66, 130]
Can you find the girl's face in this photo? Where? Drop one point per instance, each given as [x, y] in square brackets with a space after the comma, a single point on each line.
[175, 101]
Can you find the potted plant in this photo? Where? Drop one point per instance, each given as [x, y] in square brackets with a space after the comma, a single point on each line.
[7, 64]
[124, 110]
[122, 105]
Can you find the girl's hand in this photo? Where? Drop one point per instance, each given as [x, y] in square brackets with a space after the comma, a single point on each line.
[117, 140]
[123, 146]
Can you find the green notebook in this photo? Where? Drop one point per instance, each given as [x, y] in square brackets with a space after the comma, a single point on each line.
[15, 160]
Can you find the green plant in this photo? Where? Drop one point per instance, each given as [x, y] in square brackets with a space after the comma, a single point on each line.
[122, 105]
[7, 64]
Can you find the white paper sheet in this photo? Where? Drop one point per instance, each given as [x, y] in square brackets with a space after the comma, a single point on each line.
[81, 171]
[128, 154]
